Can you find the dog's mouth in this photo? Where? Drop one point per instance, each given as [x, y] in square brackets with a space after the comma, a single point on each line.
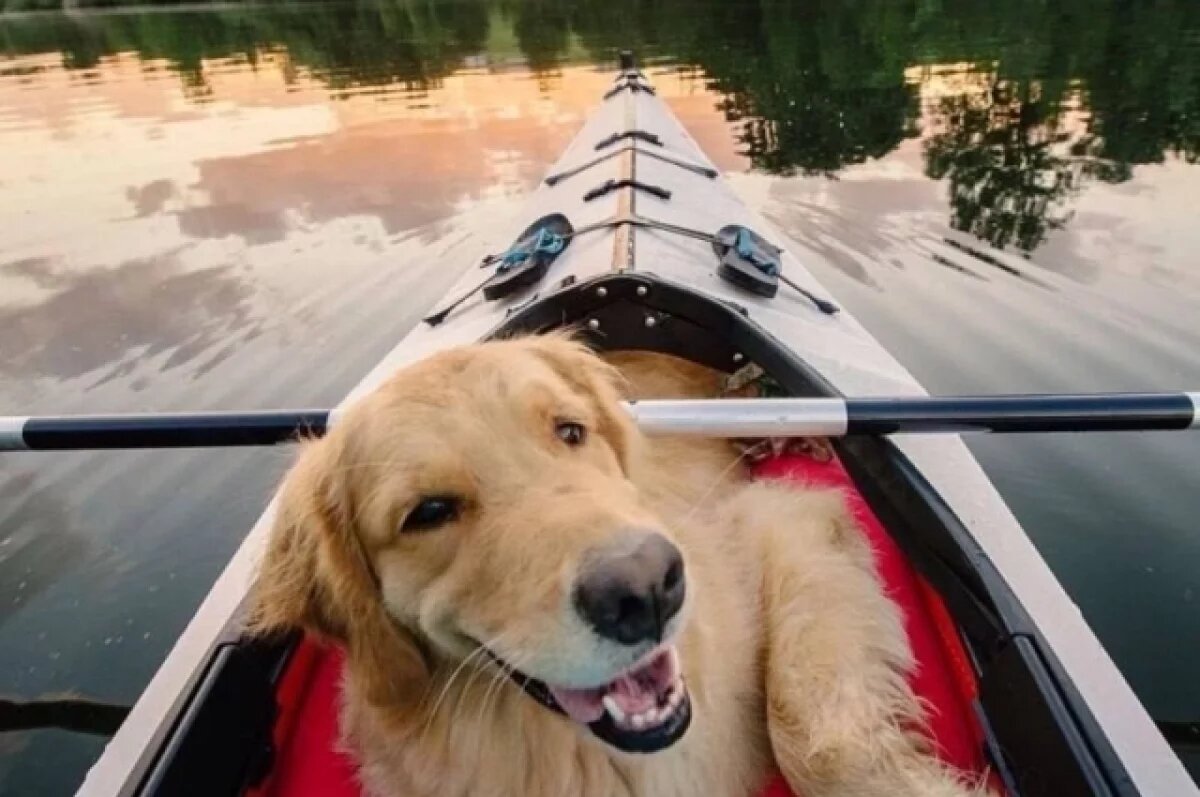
[644, 709]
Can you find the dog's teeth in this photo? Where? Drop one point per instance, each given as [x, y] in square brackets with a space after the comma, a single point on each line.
[638, 721]
[614, 711]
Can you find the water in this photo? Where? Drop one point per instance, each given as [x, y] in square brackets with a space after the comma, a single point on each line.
[245, 206]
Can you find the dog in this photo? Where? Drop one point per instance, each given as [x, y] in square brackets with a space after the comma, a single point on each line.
[535, 600]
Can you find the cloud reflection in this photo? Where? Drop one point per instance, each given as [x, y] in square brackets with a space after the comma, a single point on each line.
[102, 321]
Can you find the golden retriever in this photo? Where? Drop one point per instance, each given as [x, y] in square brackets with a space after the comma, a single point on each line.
[535, 600]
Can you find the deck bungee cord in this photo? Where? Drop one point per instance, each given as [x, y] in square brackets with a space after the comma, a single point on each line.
[697, 168]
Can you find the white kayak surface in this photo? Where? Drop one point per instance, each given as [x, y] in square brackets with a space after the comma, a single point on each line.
[835, 345]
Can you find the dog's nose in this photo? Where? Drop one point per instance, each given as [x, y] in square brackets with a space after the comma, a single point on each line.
[629, 591]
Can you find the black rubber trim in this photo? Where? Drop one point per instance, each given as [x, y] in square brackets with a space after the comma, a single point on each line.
[221, 741]
[934, 540]
[1049, 735]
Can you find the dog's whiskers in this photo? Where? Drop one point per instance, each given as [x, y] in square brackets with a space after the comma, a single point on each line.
[495, 689]
[476, 660]
[467, 660]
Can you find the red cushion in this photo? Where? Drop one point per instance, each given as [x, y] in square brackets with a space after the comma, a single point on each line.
[308, 763]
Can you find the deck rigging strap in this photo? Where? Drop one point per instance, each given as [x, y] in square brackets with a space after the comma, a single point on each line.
[629, 82]
[703, 171]
[697, 168]
[608, 186]
[639, 135]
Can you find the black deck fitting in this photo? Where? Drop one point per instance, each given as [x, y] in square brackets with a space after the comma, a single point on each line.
[613, 185]
[632, 82]
[640, 135]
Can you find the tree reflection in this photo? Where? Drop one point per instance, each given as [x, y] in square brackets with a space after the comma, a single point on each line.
[543, 31]
[344, 44]
[1143, 85]
[811, 86]
[816, 86]
[1000, 154]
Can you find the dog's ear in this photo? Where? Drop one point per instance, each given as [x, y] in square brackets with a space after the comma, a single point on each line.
[585, 371]
[315, 576]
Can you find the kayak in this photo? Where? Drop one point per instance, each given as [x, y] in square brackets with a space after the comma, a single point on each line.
[635, 240]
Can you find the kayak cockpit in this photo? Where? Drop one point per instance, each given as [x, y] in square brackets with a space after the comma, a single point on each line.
[307, 761]
[1000, 702]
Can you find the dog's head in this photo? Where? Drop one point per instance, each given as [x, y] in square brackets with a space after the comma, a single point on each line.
[479, 504]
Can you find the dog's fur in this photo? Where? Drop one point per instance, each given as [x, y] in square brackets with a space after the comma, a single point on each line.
[793, 656]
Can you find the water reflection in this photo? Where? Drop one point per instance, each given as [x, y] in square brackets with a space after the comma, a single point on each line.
[116, 316]
[42, 547]
[247, 205]
[812, 85]
[1007, 185]
[202, 223]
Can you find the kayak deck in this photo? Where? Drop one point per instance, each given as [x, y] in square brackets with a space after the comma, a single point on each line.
[308, 762]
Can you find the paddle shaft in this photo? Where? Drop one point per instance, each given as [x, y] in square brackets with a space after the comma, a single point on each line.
[819, 417]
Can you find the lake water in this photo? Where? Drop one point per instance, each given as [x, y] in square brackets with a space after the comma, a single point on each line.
[240, 206]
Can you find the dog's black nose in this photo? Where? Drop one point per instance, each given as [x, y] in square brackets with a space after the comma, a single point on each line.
[628, 591]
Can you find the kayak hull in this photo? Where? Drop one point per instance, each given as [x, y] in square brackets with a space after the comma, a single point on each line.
[1055, 715]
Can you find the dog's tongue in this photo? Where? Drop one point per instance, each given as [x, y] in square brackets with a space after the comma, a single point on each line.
[582, 705]
[634, 691]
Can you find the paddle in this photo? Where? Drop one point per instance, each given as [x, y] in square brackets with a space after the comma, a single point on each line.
[734, 418]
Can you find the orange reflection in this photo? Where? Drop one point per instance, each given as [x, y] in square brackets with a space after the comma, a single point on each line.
[267, 148]
[156, 216]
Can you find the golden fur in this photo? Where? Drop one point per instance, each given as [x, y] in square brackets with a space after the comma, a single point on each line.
[793, 656]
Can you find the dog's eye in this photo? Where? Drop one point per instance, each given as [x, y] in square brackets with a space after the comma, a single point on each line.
[432, 512]
[571, 433]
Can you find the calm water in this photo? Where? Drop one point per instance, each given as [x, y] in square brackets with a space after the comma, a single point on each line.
[246, 206]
